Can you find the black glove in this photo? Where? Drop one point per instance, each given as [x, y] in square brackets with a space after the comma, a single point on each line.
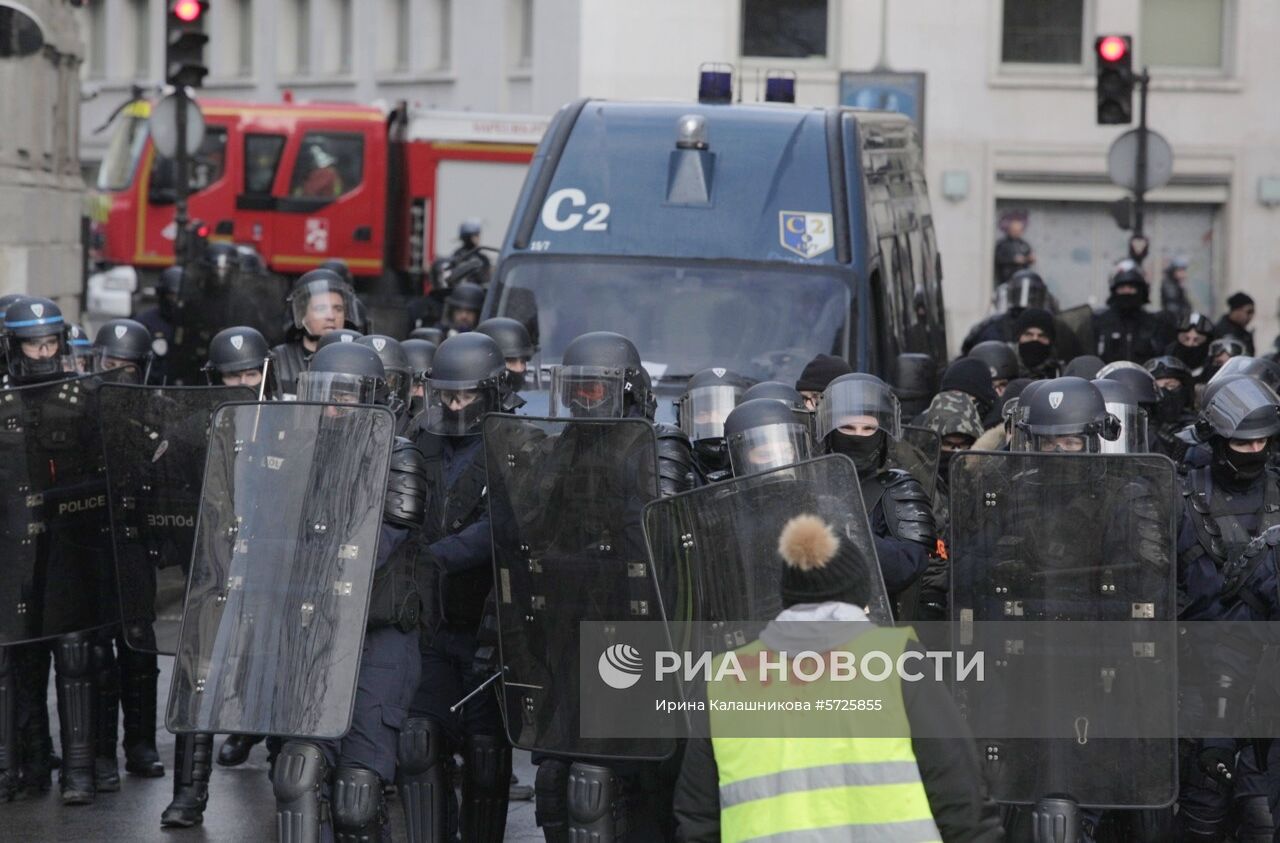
[1218, 763]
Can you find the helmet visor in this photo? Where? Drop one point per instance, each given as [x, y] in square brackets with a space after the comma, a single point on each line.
[587, 392]
[458, 412]
[859, 404]
[1244, 409]
[1133, 430]
[704, 409]
[322, 306]
[768, 447]
[337, 388]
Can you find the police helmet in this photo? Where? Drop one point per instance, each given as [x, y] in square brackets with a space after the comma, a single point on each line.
[511, 336]
[466, 296]
[344, 373]
[1229, 346]
[81, 348]
[339, 266]
[1024, 289]
[251, 262]
[1123, 404]
[340, 335]
[1000, 358]
[1168, 366]
[432, 335]
[1066, 414]
[420, 354]
[1241, 407]
[399, 373]
[122, 342]
[856, 395]
[1197, 322]
[7, 300]
[222, 262]
[601, 376]
[29, 319]
[1261, 368]
[467, 380]
[708, 398]
[764, 434]
[315, 283]
[1140, 382]
[469, 228]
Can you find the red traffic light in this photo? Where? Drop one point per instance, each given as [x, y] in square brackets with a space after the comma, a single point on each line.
[187, 11]
[1112, 48]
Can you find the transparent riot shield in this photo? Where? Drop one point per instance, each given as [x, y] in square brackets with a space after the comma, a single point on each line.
[1064, 566]
[155, 439]
[565, 500]
[206, 306]
[917, 453]
[285, 549]
[715, 549]
[55, 530]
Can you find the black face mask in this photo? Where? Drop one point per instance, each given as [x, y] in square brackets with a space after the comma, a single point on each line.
[1126, 302]
[1169, 407]
[516, 380]
[1193, 355]
[867, 452]
[1236, 468]
[712, 454]
[1034, 353]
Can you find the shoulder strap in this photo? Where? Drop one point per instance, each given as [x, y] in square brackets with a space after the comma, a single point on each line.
[1208, 532]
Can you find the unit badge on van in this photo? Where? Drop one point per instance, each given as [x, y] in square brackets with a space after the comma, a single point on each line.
[808, 235]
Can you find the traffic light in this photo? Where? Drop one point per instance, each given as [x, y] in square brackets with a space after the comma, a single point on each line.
[184, 43]
[1114, 56]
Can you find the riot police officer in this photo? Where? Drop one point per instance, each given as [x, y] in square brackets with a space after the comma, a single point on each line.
[1173, 410]
[239, 356]
[517, 349]
[320, 303]
[36, 351]
[1126, 330]
[467, 381]
[1001, 359]
[399, 373]
[365, 759]
[124, 343]
[858, 416]
[81, 347]
[432, 335]
[1228, 502]
[462, 309]
[1191, 343]
[420, 354]
[161, 318]
[762, 434]
[708, 398]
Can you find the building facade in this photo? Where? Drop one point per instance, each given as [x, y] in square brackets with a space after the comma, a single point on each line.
[41, 193]
[1008, 100]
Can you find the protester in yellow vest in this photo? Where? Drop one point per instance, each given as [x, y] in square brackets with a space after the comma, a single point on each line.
[834, 787]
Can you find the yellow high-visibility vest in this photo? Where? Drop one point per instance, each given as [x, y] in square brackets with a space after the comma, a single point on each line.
[838, 788]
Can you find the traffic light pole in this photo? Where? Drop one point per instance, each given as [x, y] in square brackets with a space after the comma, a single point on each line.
[181, 180]
[1140, 176]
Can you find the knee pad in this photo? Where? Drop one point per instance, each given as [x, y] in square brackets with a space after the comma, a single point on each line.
[73, 655]
[594, 799]
[356, 800]
[551, 798]
[300, 770]
[420, 746]
[488, 764]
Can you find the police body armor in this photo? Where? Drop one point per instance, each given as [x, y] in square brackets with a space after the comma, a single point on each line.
[1219, 516]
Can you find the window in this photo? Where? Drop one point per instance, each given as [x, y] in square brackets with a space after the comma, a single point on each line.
[261, 159]
[1043, 32]
[345, 24]
[789, 29]
[293, 58]
[205, 168]
[522, 37]
[394, 26]
[328, 166]
[128, 137]
[244, 37]
[1182, 33]
[97, 40]
[142, 34]
[446, 33]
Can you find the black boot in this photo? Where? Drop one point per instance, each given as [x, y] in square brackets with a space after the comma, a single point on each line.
[192, 754]
[73, 666]
[551, 804]
[235, 749]
[138, 676]
[106, 715]
[35, 744]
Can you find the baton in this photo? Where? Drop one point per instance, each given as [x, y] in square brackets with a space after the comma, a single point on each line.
[486, 683]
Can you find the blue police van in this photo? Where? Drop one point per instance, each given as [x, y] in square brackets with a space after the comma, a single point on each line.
[748, 236]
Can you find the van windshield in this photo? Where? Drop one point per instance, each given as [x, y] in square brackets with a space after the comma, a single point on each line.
[762, 322]
[121, 161]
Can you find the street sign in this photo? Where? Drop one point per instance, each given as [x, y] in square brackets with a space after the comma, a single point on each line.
[1122, 161]
[164, 126]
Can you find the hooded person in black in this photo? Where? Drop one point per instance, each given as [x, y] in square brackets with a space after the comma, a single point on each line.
[1125, 330]
[1035, 334]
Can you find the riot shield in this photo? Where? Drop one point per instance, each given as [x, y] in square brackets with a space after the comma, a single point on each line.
[155, 440]
[715, 549]
[206, 306]
[1064, 565]
[1080, 320]
[285, 548]
[917, 453]
[565, 499]
[55, 539]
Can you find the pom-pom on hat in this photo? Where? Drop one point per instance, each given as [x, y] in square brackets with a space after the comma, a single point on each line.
[820, 565]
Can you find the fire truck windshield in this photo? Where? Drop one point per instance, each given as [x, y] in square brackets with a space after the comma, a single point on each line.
[764, 322]
[121, 160]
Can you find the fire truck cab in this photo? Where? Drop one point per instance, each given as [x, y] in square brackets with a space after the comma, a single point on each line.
[384, 191]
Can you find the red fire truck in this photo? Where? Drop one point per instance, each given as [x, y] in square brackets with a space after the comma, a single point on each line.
[305, 182]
